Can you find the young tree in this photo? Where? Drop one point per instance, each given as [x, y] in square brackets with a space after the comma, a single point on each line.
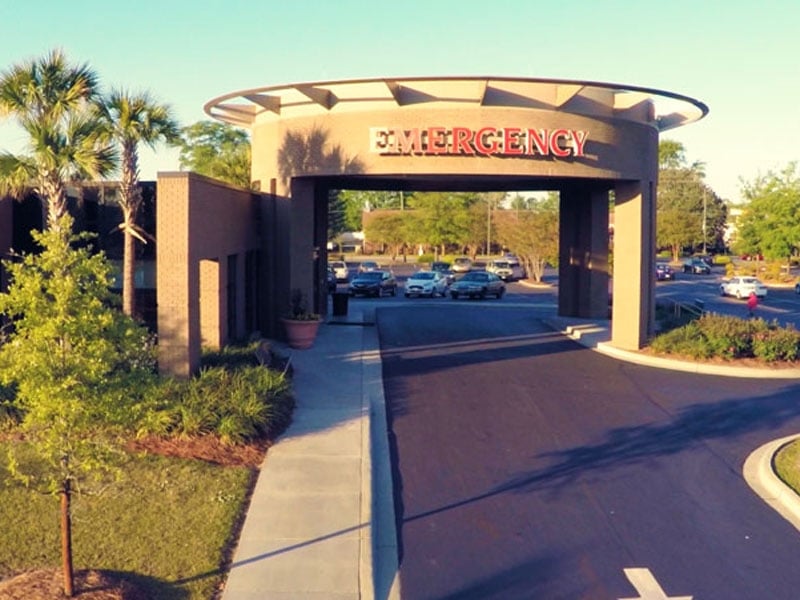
[216, 150]
[75, 364]
[134, 119]
[770, 223]
[532, 234]
[391, 229]
[55, 104]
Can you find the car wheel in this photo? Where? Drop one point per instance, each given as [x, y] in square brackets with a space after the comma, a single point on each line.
[500, 293]
[722, 291]
[394, 291]
[482, 295]
[454, 295]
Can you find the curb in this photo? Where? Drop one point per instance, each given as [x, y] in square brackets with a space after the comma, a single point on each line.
[760, 475]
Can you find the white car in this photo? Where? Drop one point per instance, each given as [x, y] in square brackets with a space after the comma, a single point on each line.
[501, 268]
[741, 287]
[426, 283]
[340, 270]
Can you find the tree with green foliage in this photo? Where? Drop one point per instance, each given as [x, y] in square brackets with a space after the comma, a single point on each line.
[133, 119]
[56, 105]
[353, 203]
[689, 213]
[216, 150]
[532, 235]
[444, 218]
[392, 228]
[770, 222]
[75, 364]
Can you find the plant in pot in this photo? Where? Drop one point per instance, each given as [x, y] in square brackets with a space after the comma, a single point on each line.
[300, 324]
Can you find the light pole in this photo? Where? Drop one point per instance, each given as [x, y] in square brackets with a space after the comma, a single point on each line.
[704, 221]
[488, 225]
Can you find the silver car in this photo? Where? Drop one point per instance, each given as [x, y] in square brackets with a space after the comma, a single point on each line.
[478, 284]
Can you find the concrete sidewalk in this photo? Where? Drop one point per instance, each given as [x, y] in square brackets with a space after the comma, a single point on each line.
[320, 524]
[321, 519]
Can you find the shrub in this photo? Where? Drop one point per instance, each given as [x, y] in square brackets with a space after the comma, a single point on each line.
[722, 259]
[729, 337]
[685, 341]
[777, 344]
[237, 405]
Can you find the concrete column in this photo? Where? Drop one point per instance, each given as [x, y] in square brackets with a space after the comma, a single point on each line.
[634, 255]
[583, 253]
[302, 250]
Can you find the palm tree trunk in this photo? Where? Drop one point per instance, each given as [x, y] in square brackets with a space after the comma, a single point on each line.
[66, 540]
[128, 274]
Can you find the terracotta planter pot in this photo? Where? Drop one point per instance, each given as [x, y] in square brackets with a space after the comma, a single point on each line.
[300, 334]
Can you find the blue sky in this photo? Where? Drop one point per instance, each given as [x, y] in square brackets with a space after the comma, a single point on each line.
[739, 57]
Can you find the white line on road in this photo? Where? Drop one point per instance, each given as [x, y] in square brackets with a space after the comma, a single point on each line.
[647, 586]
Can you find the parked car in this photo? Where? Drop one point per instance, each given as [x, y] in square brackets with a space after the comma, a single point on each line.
[741, 287]
[478, 284]
[696, 265]
[462, 264]
[443, 267]
[501, 268]
[367, 266]
[664, 272]
[373, 283]
[331, 280]
[340, 269]
[426, 283]
[797, 288]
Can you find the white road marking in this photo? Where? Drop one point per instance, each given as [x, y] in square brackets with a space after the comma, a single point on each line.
[647, 586]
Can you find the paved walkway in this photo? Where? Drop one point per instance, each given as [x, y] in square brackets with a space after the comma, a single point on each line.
[321, 520]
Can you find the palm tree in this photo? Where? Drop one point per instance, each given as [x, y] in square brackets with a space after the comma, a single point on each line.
[135, 118]
[54, 104]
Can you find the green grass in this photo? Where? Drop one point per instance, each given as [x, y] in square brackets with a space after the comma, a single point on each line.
[165, 526]
[787, 465]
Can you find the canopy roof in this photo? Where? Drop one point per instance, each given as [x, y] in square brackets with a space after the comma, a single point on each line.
[660, 109]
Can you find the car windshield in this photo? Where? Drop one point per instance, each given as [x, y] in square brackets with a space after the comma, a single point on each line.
[501, 264]
[750, 280]
[371, 276]
[440, 266]
[475, 277]
[425, 275]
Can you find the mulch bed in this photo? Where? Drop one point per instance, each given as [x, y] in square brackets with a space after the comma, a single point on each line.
[48, 584]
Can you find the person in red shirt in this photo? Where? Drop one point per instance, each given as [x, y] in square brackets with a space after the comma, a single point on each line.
[752, 302]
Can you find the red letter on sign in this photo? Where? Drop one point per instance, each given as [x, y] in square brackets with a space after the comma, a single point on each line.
[437, 140]
[461, 141]
[511, 140]
[554, 147]
[408, 142]
[480, 141]
[578, 141]
[539, 140]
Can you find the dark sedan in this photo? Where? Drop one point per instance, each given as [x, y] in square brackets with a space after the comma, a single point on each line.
[373, 283]
[697, 266]
[478, 284]
[664, 272]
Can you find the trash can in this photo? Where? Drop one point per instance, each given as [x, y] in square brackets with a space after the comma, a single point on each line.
[340, 304]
